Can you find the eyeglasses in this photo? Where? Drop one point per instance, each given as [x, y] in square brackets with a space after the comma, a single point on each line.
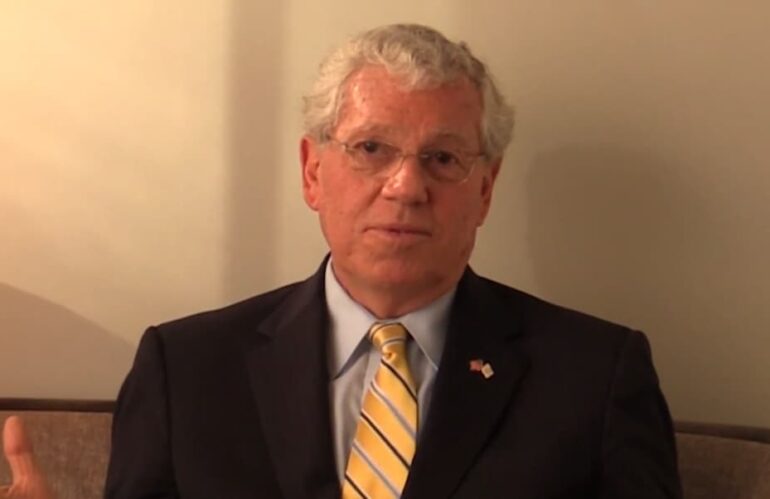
[379, 159]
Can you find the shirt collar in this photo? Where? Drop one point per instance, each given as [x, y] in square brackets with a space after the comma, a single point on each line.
[349, 321]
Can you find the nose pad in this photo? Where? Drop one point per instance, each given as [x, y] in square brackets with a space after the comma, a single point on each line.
[394, 166]
[399, 165]
[407, 182]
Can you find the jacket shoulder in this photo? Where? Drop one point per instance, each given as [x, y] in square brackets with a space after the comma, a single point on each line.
[233, 322]
[539, 317]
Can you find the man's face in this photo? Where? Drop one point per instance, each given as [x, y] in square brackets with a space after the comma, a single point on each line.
[407, 234]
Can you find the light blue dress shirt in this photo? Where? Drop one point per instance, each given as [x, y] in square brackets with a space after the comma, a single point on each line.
[353, 360]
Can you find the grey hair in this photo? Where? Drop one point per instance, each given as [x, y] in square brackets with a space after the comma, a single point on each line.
[424, 58]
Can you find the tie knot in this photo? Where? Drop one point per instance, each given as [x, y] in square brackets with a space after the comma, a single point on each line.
[382, 335]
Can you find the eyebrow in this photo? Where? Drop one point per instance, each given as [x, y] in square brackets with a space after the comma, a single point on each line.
[373, 128]
[450, 135]
[439, 135]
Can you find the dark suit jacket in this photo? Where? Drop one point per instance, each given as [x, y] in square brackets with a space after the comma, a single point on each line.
[235, 404]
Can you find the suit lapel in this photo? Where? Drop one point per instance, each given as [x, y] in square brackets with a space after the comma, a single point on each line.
[288, 370]
[466, 405]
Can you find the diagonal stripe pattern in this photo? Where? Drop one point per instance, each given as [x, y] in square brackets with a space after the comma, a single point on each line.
[384, 443]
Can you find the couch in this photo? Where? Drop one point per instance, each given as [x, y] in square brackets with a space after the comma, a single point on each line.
[71, 440]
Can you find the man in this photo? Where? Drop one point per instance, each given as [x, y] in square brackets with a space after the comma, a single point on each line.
[395, 371]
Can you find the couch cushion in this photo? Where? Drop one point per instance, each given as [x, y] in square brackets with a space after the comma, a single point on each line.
[72, 449]
[715, 461]
[718, 467]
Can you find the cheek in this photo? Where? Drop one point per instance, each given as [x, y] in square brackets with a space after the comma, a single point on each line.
[461, 218]
[332, 189]
[342, 202]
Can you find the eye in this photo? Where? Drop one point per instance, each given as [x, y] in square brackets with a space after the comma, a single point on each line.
[374, 154]
[369, 147]
[442, 158]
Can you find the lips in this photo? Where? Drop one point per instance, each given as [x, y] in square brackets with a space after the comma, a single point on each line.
[397, 229]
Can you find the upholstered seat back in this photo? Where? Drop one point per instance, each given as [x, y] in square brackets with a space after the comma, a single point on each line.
[72, 442]
[72, 448]
[720, 461]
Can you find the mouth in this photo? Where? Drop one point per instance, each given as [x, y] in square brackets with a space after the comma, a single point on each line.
[400, 230]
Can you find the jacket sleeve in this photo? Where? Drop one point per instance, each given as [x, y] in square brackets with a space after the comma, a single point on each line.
[140, 461]
[638, 447]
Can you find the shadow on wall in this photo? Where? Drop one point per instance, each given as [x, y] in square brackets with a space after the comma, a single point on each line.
[49, 351]
[617, 233]
[607, 228]
[621, 234]
[255, 96]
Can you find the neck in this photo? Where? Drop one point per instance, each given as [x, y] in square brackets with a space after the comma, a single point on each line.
[389, 301]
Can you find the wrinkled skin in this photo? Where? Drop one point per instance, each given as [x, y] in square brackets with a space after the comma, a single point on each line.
[399, 242]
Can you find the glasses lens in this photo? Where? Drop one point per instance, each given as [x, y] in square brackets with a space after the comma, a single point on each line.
[373, 156]
[445, 165]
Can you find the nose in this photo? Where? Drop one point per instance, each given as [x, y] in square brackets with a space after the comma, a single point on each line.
[407, 184]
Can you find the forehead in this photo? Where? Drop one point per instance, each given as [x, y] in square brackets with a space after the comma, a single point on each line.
[378, 101]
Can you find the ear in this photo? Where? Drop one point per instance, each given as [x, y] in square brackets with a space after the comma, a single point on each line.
[310, 161]
[487, 186]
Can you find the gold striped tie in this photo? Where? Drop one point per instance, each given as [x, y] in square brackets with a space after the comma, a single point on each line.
[385, 436]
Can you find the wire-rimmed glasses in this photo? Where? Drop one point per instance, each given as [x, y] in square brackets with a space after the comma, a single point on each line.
[380, 159]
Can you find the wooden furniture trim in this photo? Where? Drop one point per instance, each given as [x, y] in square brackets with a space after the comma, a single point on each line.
[748, 433]
[60, 405]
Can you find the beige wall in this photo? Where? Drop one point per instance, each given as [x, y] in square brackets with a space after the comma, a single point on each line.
[148, 170]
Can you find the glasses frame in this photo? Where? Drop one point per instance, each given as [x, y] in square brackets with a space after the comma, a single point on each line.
[401, 156]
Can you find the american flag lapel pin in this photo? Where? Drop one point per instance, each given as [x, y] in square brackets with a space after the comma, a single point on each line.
[479, 366]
